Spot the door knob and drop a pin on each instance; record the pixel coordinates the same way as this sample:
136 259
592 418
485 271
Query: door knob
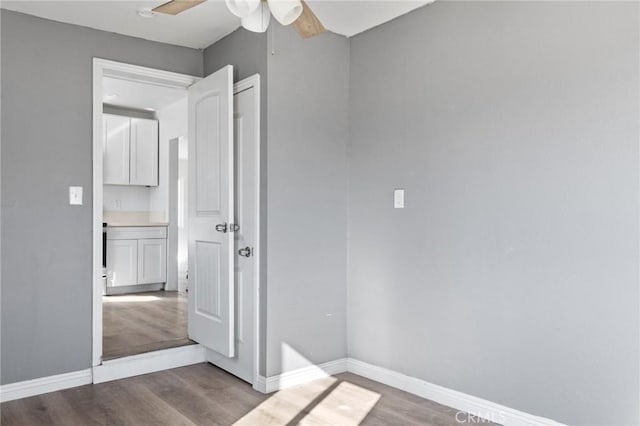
221 227
246 252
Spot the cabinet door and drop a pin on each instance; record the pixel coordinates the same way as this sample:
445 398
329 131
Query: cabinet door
144 152
152 261
122 262
116 149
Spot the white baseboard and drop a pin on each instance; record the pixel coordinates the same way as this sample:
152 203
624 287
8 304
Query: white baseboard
260 384
194 354
44 385
299 376
148 363
476 407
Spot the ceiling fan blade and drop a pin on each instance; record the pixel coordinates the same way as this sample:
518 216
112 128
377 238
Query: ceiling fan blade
174 7
308 24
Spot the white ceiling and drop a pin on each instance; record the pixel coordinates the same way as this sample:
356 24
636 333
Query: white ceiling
351 17
201 26
139 95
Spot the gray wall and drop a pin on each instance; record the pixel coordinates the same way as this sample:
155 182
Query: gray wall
304 189
308 133
46 147
512 274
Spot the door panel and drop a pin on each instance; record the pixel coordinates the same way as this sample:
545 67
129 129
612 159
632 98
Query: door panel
152 261
116 150
246 170
208 151
144 152
211 204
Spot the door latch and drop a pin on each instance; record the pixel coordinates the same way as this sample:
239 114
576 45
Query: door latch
234 227
245 252
221 227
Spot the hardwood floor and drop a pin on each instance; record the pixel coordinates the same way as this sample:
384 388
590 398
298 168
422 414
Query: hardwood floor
143 322
202 394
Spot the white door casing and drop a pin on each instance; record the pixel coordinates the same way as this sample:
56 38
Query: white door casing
211 213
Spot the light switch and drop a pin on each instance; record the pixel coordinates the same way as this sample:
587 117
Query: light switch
398 198
75 195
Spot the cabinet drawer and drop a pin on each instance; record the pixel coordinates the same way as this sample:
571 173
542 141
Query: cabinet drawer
136 232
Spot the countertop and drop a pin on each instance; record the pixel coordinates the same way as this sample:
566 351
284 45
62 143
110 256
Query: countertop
133 224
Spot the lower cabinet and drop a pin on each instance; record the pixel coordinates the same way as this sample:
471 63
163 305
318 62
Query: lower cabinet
122 262
133 260
152 261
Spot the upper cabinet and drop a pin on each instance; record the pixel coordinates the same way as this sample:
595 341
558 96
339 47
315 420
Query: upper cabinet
130 151
116 149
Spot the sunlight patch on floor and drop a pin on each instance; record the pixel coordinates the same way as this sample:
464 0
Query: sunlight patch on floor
321 402
347 404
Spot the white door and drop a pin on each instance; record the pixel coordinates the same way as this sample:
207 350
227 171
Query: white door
122 262
144 152
246 169
211 257
116 149
152 261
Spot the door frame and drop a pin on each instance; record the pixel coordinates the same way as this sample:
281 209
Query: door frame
102 68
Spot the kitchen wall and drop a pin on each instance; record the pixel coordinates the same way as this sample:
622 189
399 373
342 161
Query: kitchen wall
123 198
173 123
46 147
512 273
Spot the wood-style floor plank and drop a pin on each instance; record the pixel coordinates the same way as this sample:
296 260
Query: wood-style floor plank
202 394
143 322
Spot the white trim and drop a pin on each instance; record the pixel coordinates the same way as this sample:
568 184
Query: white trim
478 407
247 83
148 363
130 72
302 375
44 385
134 73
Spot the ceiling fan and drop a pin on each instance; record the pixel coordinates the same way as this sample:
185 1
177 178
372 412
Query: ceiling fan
256 14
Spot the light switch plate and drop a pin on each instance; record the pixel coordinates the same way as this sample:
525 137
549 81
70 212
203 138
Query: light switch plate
398 198
75 195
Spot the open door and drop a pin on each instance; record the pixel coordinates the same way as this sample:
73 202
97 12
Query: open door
211 201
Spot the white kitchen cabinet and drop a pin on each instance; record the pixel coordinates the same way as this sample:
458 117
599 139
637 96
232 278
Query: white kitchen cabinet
122 262
152 261
144 152
130 151
116 149
136 255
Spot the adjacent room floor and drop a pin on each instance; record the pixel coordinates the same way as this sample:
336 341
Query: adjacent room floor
143 322
202 394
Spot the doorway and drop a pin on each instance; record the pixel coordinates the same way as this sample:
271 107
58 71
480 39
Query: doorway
145 287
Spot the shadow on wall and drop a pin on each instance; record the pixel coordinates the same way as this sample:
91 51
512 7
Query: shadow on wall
324 401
